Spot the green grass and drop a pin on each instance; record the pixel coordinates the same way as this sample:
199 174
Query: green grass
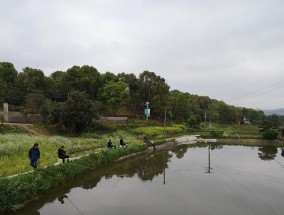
11 129
14 148
228 131
158 131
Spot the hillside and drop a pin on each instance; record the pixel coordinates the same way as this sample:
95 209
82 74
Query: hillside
279 111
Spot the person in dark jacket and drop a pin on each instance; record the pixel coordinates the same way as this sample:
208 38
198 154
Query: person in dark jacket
62 154
110 145
34 155
122 143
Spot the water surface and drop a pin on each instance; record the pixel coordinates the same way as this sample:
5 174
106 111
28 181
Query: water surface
186 179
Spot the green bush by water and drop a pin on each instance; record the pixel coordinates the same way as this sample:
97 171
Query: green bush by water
270 134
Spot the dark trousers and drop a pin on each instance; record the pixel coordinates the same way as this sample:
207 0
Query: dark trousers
64 157
34 163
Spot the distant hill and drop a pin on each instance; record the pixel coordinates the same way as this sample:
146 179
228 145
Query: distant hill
279 111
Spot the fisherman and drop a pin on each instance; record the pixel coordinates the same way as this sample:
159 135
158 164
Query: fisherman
110 145
153 144
62 154
122 143
34 155
148 141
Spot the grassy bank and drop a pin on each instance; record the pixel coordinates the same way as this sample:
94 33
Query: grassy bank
14 148
14 192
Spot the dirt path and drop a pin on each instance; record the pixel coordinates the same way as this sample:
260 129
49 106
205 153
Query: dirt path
31 129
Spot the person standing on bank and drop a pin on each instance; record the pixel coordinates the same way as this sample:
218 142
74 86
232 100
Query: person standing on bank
62 154
34 155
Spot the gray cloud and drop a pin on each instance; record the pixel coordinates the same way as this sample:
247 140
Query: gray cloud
222 49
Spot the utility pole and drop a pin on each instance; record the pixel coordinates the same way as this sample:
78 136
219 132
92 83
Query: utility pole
209 160
165 122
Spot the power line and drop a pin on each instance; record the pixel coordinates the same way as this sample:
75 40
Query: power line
261 91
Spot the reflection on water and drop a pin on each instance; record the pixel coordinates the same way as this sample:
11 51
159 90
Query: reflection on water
175 182
267 152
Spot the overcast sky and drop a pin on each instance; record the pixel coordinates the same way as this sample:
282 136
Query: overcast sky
228 50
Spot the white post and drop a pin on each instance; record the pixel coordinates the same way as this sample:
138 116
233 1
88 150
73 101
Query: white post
6 112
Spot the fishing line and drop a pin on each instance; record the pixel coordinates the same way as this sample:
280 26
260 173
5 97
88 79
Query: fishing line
278 163
231 196
249 207
75 206
253 194
250 175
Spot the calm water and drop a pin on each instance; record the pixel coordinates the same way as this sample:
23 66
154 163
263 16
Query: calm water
242 180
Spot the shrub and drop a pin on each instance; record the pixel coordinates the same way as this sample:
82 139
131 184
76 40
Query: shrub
270 134
216 134
194 121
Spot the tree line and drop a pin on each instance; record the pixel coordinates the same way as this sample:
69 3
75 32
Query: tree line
85 93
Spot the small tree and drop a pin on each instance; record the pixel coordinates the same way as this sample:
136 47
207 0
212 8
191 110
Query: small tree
270 134
78 112
116 94
194 121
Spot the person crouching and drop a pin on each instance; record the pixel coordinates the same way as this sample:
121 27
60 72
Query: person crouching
62 154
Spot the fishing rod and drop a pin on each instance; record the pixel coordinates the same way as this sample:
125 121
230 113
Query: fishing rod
75 206
61 199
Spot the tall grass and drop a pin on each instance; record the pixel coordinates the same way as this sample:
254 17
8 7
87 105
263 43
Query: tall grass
158 131
14 148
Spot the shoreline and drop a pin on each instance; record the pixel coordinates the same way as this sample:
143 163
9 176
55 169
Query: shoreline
56 178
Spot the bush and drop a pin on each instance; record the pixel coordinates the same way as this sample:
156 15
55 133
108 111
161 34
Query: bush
217 134
270 134
194 121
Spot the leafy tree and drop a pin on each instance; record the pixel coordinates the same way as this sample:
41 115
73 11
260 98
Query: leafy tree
108 77
194 121
153 89
116 95
78 112
227 113
86 79
134 102
8 76
57 76
273 121
33 79
182 109
37 103
33 102
270 134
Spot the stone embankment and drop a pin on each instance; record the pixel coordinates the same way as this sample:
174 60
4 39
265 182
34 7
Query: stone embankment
194 139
